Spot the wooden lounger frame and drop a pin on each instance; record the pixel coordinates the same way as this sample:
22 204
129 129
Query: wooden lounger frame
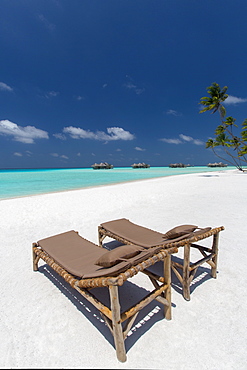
210 255
113 315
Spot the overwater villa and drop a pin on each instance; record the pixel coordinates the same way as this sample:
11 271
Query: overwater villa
179 165
102 165
140 165
217 164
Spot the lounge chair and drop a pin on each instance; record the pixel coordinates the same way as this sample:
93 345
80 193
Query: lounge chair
85 265
184 236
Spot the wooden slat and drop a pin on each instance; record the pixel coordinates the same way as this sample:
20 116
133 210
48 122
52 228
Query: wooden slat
179 276
200 262
209 250
129 324
92 299
153 276
163 301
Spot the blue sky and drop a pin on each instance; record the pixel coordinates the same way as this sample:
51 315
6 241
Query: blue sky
118 81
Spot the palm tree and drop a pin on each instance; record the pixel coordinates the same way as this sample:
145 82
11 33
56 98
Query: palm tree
215 99
237 145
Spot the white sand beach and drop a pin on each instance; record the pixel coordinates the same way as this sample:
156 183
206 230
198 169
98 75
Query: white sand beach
44 324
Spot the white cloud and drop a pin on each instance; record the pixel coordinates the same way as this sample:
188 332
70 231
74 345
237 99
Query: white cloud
139 149
51 94
186 138
139 91
171 141
113 133
182 139
79 97
131 86
234 100
25 134
60 136
27 153
118 133
173 113
198 142
47 24
56 155
78 133
5 87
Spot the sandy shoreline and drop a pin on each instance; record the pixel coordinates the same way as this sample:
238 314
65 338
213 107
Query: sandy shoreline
44 325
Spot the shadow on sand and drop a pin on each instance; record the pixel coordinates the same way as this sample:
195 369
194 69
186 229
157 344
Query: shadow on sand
129 294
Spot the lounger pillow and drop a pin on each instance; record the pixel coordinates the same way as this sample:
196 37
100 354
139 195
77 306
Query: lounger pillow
179 231
118 254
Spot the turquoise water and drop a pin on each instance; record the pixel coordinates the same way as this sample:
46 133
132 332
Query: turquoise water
17 183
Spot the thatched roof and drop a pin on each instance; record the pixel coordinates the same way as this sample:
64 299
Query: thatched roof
140 165
102 165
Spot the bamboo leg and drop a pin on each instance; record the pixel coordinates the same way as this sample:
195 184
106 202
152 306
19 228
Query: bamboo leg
215 258
35 259
186 273
116 324
101 238
167 280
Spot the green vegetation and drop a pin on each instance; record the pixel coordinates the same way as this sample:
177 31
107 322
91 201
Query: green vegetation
235 147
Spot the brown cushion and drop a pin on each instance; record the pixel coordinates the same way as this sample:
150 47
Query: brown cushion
71 251
179 231
134 233
117 255
202 231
